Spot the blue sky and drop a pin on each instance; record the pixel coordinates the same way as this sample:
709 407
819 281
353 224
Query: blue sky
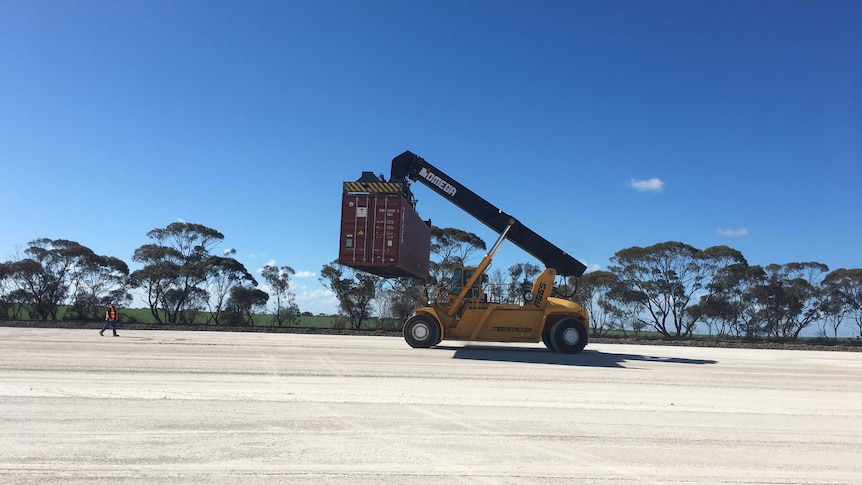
600 125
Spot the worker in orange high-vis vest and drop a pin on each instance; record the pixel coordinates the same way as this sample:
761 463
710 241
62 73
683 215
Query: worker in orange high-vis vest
111 318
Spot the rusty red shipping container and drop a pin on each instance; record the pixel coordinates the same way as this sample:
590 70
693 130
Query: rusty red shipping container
382 234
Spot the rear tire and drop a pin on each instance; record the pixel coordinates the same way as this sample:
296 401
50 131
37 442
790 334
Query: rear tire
546 338
568 336
421 332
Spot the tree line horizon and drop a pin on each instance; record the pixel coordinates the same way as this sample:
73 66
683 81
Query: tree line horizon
670 288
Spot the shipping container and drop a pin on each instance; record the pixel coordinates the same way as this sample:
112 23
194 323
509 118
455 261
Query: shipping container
382 234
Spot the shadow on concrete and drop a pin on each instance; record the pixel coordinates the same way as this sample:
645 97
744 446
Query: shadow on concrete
587 358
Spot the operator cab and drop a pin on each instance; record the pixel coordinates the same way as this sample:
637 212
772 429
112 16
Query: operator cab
460 276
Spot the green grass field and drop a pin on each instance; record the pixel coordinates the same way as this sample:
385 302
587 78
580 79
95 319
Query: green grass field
143 315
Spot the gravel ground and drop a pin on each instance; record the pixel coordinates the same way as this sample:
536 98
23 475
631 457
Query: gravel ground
216 408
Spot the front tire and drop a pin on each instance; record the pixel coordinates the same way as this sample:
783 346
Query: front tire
568 336
421 332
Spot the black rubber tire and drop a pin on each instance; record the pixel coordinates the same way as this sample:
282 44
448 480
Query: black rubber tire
568 336
439 337
546 338
421 332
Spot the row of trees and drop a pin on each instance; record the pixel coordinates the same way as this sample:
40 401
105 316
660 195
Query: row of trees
670 288
180 277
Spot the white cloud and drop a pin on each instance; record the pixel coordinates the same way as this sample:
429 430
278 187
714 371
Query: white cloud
271 262
733 232
298 274
257 256
649 185
265 288
309 298
315 300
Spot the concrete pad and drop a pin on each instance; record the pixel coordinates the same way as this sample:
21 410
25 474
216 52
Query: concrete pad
210 407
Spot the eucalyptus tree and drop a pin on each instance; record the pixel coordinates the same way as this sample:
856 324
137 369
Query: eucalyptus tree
790 298
663 280
397 298
278 278
450 249
23 287
454 246
176 268
42 276
729 304
243 303
54 272
498 286
95 282
225 273
521 279
355 290
842 297
593 293
623 307
526 270
8 307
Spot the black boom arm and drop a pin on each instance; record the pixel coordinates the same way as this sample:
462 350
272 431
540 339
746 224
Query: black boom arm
411 166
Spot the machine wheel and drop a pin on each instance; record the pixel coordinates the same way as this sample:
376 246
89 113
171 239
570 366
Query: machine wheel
421 332
546 338
568 336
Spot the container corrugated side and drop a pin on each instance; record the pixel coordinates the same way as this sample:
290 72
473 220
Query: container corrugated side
382 234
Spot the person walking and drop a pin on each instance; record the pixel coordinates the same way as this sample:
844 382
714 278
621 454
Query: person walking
111 318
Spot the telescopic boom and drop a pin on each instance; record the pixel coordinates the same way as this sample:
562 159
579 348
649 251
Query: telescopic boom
413 167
